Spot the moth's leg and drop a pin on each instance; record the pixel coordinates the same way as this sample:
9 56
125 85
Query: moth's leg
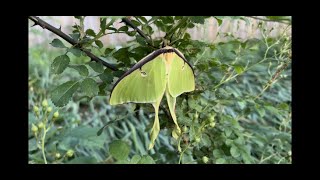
143 73
184 64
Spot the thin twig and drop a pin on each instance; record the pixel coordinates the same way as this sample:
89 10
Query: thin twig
129 23
270 20
45 25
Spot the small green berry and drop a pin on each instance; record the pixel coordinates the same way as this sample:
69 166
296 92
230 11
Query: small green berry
56 114
34 128
212 124
211 118
197 139
184 129
40 125
196 116
49 109
57 155
205 159
70 153
45 103
35 109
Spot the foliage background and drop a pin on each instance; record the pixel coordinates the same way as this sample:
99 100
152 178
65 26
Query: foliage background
239 113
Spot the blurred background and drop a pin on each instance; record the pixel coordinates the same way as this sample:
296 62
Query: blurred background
207 32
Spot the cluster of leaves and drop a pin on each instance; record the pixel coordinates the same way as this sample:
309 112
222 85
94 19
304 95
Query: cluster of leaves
239 113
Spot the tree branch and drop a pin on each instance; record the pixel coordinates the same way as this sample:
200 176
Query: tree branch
45 25
262 19
129 23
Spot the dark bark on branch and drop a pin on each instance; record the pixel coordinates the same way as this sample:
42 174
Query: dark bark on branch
129 23
45 25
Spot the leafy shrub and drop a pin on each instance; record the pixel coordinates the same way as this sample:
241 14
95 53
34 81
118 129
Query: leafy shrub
240 111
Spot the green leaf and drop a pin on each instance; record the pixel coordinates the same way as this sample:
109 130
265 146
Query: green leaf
82 69
62 94
131 33
205 140
227 132
75 51
284 106
136 23
98 43
147 29
220 161
143 19
108 51
115 73
102 89
59 64
84 136
219 20
57 43
103 23
31 119
192 103
89 87
75 36
83 160
123 55
141 40
123 28
197 19
106 76
167 19
238 69
217 153
119 149
234 152
139 52
32 144
261 111
135 159
96 66
190 25
146 159
90 32
247 158
111 28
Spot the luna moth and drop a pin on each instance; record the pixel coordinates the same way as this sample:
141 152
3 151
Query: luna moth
164 71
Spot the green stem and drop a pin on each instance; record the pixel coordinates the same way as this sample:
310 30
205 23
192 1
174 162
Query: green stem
181 155
101 33
180 23
42 143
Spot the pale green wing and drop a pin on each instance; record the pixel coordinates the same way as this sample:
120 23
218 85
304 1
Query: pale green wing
180 80
180 77
172 104
143 83
156 125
